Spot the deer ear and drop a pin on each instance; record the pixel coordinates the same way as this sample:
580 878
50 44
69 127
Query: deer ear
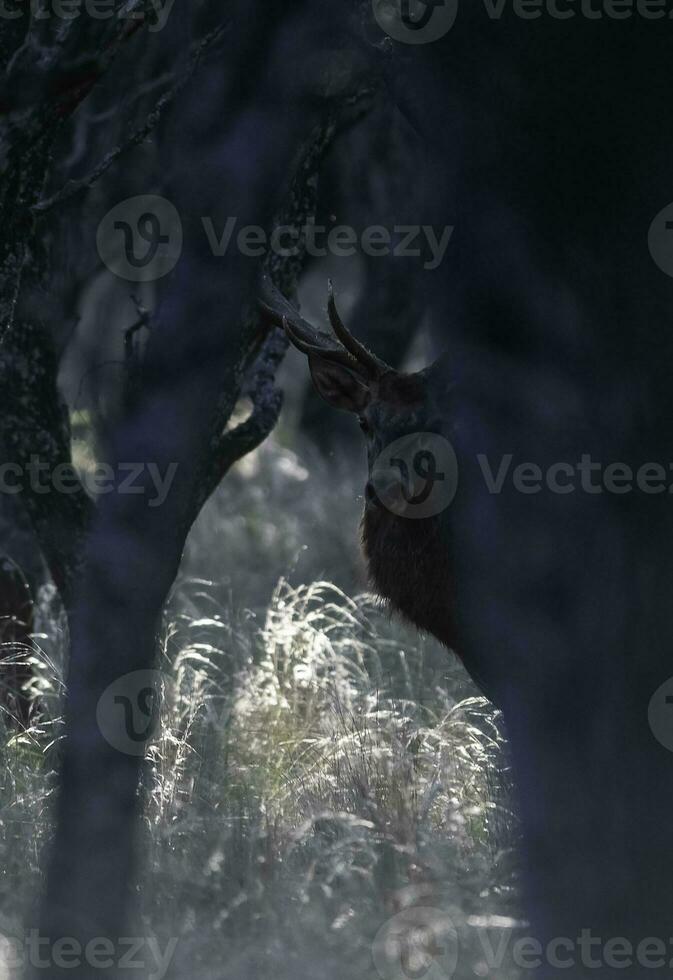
340 387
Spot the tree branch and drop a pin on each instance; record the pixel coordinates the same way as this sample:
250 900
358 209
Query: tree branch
74 187
267 400
265 346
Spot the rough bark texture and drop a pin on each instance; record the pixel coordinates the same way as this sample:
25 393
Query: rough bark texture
196 366
36 434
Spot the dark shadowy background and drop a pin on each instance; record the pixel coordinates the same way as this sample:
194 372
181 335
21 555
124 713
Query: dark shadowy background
319 769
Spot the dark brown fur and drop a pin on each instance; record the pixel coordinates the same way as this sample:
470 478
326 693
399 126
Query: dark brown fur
409 567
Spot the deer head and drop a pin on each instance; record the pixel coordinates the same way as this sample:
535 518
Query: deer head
390 406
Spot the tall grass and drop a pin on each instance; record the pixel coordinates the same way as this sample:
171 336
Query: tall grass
318 767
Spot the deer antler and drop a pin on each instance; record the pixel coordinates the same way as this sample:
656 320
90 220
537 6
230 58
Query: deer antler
374 366
350 352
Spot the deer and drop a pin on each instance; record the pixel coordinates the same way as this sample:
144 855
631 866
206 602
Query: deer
408 555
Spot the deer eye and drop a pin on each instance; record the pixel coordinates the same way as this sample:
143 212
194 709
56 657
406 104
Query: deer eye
364 424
